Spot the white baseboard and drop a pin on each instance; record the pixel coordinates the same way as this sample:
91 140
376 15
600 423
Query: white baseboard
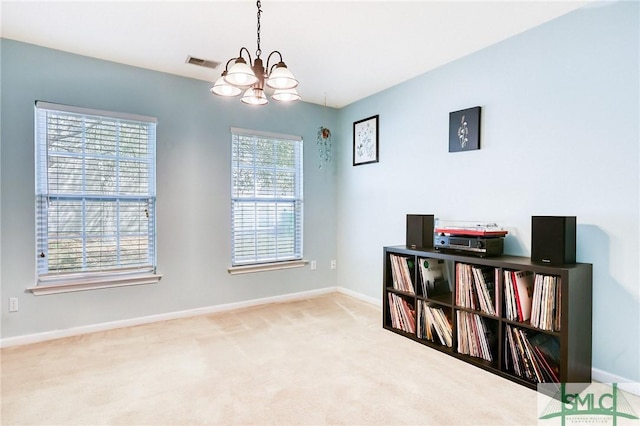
360 296
93 328
625 384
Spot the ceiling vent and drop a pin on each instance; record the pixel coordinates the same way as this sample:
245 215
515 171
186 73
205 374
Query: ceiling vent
202 62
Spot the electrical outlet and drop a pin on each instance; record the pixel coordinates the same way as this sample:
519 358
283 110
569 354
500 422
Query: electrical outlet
13 304
333 264
314 265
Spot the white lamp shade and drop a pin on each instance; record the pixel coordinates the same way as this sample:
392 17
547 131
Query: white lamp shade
254 96
281 78
286 95
241 74
222 88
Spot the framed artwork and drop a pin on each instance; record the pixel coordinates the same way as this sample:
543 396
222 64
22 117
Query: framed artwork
365 141
464 130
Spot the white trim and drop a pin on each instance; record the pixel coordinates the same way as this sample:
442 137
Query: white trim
360 296
260 267
625 384
93 328
96 112
95 283
260 133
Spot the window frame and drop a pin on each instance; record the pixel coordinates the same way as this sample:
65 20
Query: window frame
58 280
296 201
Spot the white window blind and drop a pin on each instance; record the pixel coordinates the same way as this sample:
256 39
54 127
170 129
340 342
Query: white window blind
95 194
266 193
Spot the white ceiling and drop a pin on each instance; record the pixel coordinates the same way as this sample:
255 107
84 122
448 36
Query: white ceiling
341 50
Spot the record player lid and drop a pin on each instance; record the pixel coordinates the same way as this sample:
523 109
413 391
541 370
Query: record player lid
471 228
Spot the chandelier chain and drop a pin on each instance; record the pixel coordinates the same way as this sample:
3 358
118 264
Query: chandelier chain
259 51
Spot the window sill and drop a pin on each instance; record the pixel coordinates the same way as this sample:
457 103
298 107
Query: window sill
247 269
94 284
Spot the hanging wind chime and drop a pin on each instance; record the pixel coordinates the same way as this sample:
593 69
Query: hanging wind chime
324 140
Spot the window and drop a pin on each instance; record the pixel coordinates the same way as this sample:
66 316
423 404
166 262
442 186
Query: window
95 198
266 197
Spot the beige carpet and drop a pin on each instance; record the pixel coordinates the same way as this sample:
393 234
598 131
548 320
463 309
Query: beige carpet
319 361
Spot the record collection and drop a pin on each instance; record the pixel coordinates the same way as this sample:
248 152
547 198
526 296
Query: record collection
403 315
401 273
534 299
532 356
434 325
474 337
475 288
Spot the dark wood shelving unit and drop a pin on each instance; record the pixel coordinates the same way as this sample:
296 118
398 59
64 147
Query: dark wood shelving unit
573 337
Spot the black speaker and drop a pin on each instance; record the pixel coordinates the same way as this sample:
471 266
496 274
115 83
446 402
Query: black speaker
419 231
553 239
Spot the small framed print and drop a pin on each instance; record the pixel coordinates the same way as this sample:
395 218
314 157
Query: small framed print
365 141
464 130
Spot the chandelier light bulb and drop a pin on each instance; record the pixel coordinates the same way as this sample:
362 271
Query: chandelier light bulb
281 78
255 96
286 95
222 88
241 74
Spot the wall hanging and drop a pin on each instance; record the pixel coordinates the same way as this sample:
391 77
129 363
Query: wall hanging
366 141
324 144
323 140
464 130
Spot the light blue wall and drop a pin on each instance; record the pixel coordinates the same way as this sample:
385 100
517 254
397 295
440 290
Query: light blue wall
560 136
193 189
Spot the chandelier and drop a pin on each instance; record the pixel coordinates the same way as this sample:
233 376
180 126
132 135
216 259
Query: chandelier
250 77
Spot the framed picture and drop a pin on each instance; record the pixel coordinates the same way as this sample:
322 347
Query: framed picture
365 141
464 130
